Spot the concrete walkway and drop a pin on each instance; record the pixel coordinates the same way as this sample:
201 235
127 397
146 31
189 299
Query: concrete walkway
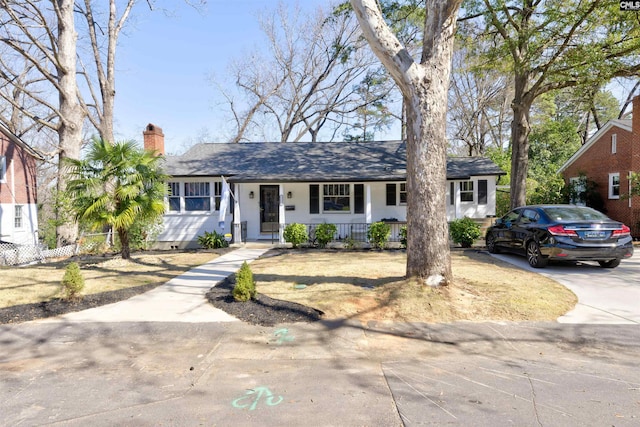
182 299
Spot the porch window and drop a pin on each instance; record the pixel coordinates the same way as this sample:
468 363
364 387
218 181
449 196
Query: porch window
358 198
403 193
217 194
174 196
18 217
452 194
614 185
314 198
336 198
3 169
466 191
197 196
391 194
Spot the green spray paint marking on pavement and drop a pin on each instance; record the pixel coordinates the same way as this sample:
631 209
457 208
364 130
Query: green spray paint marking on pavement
283 336
256 394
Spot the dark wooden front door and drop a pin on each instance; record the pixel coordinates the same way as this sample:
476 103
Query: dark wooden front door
269 208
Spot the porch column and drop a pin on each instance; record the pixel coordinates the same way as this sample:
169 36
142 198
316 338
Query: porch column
367 201
456 186
281 218
237 224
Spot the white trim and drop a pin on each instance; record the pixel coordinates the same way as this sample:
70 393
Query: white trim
621 124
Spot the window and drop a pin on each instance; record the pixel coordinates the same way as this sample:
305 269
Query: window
403 193
614 185
18 216
174 196
217 194
466 191
529 216
336 198
452 194
482 191
391 194
614 143
196 196
3 168
578 189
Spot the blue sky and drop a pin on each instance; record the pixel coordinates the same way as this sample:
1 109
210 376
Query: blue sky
164 63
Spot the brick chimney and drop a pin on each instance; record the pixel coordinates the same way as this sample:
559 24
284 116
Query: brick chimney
154 139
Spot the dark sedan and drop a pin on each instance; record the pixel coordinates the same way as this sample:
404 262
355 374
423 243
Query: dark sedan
561 233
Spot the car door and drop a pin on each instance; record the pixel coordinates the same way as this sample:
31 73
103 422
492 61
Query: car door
523 228
503 230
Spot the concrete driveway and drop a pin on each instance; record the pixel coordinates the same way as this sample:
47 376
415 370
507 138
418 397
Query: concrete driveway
605 296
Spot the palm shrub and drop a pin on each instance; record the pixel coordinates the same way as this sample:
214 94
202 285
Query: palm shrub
212 240
296 234
378 234
245 287
325 233
72 281
464 231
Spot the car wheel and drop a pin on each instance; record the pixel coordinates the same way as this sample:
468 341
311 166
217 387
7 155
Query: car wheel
534 257
609 264
491 244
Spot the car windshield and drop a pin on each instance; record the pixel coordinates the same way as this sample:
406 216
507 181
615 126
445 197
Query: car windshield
574 213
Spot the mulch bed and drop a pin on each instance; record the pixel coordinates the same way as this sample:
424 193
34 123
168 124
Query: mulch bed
263 310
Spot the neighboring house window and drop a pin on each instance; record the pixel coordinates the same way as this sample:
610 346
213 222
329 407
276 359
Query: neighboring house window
358 198
403 193
578 190
466 191
336 198
482 191
614 185
196 196
391 194
18 217
174 196
3 168
614 143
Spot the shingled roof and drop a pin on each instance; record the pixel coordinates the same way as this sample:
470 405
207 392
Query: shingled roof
312 162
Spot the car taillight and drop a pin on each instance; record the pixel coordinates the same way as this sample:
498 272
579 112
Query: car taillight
558 230
624 231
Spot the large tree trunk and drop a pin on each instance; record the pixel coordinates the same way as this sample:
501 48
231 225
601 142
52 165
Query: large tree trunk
71 113
424 87
520 129
123 235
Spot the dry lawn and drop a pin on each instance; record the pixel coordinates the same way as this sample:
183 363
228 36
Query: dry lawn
42 282
370 286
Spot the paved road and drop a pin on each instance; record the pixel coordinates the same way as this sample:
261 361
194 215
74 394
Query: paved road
321 374
605 296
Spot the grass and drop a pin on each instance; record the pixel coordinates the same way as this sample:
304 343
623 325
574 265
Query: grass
42 282
365 285
369 285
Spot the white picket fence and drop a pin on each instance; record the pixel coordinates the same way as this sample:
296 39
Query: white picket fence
12 254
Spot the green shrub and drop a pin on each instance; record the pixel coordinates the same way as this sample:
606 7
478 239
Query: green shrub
325 233
403 236
350 243
296 234
245 287
212 240
464 231
72 282
378 234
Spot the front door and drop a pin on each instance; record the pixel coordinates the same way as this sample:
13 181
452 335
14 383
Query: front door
269 208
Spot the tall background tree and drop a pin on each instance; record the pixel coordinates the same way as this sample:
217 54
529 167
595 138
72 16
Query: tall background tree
548 46
424 85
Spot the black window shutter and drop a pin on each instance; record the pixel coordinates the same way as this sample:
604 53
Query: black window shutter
452 193
482 191
358 198
314 198
391 194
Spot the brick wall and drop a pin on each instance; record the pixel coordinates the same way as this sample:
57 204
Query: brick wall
20 178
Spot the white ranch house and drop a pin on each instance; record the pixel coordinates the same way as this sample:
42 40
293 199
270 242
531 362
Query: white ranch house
348 184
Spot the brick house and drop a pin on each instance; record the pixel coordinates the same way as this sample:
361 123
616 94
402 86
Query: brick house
18 189
607 159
